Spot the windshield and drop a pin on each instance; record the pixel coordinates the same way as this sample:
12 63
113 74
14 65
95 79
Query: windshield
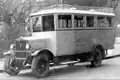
43 23
36 24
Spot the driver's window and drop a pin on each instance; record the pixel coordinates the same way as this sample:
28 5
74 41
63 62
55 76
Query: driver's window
36 24
48 23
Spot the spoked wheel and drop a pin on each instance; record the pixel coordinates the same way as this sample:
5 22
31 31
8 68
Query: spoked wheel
40 65
9 66
97 60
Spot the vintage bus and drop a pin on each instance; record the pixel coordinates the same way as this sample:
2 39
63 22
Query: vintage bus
62 35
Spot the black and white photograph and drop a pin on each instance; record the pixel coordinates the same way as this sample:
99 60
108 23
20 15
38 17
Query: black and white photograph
59 39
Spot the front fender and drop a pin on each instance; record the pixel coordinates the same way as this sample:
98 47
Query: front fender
10 52
35 53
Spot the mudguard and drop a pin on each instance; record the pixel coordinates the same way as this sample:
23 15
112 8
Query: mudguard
35 53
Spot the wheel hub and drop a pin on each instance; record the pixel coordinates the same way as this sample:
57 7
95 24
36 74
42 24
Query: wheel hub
42 66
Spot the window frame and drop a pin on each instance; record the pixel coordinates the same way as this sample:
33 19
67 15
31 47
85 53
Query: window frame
94 16
62 27
31 23
40 17
53 21
97 21
84 22
112 22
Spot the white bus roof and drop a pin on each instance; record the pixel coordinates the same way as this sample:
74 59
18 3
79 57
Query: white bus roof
63 10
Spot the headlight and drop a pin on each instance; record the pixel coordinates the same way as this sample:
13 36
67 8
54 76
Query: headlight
12 46
27 46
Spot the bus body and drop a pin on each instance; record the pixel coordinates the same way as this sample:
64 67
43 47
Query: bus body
65 34
73 37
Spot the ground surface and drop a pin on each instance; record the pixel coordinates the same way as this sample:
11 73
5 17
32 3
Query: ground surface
110 69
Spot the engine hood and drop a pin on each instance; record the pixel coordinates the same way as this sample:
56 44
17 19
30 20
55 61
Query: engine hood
40 40
37 36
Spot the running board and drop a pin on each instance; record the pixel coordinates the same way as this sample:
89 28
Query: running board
64 63
110 57
67 63
71 62
74 62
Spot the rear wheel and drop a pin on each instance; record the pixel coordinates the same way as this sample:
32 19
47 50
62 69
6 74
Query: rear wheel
9 66
40 65
97 59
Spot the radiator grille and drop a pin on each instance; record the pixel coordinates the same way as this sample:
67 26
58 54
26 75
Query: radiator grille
20 49
20 45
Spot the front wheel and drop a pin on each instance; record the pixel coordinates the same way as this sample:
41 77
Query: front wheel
97 59
9 66
40 65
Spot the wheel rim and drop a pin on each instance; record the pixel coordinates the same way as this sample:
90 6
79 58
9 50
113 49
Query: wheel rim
12 65
42 66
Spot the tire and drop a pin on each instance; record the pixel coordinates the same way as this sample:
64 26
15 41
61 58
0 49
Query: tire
40 65
97 59
9 66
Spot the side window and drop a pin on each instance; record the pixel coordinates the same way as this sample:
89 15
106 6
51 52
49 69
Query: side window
48 23
90 21
78 21
64 21
103 21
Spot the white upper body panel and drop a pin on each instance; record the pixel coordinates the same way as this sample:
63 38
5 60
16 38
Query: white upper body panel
70 10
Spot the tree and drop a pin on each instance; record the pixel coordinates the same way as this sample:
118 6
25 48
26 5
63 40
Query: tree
12 16
15 12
